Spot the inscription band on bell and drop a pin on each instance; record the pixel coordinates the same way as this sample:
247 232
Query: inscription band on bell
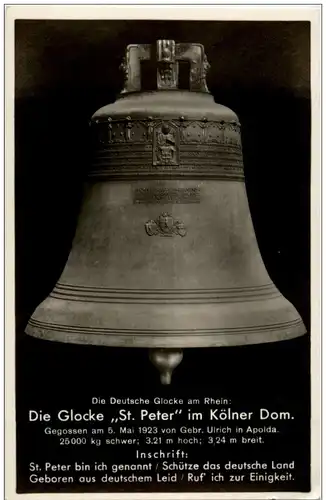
167 195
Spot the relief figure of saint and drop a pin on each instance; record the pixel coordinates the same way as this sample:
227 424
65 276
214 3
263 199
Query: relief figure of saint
166 145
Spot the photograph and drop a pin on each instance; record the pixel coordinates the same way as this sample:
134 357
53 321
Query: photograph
163 187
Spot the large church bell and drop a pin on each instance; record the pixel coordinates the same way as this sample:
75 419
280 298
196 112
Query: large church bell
165 255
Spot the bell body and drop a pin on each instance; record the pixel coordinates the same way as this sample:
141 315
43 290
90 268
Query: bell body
165 254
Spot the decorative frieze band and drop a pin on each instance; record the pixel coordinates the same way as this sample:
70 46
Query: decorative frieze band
126 130
156 147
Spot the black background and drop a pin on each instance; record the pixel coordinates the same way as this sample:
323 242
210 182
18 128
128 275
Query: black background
65 71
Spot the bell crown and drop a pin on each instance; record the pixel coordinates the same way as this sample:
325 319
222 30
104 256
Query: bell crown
165 60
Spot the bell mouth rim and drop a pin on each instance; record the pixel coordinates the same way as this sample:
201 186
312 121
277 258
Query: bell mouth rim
120 338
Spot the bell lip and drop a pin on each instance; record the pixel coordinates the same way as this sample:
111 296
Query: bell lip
260 318
164 341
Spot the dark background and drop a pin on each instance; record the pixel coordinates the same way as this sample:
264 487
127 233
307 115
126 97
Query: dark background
65 71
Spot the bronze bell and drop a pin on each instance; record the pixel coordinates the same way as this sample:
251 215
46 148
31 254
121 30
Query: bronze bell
165 255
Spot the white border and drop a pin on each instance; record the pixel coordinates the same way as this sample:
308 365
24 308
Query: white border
233 12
